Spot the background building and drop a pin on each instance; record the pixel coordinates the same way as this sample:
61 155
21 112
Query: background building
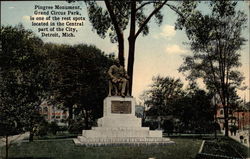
53 113
239 117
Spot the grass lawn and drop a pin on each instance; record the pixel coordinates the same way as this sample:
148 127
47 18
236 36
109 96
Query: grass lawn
66 149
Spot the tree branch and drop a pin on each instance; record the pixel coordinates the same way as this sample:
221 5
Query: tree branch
175 9
149 17
144 4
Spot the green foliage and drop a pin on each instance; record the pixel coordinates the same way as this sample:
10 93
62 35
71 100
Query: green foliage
76 127
42 129
102 21
195 112
53 127
178 109
151 124
78 79
168 126
118 14
23 79
32 71
163 92
215 39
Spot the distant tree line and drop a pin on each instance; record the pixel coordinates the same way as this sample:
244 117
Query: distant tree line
175 109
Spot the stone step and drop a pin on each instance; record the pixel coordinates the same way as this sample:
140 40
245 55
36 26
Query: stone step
121 141
109 133
120 128
120 132
105 132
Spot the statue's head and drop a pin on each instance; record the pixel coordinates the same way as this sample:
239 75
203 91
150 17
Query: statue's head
117 62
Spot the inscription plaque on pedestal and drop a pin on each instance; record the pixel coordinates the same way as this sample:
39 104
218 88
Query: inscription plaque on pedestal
121 107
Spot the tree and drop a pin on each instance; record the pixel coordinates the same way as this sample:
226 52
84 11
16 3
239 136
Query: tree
79 81
163 92
119 14
169 102
9 123
23 81
215 40
194 112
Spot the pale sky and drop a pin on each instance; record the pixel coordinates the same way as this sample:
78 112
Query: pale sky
159 53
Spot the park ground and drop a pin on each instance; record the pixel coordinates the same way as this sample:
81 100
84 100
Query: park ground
184 148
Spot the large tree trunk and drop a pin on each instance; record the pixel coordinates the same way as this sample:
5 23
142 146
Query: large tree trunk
226 111
131 63
121 49
225 108
118 31
133 35
131 51
226 120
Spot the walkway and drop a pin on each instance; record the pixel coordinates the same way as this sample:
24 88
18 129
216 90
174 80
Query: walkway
14 139
245 140
245 134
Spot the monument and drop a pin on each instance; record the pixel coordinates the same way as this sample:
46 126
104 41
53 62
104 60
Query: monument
119 125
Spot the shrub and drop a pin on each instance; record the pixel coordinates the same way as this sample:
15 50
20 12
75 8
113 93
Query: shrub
168 126
53 127
151 124
43 129
76 127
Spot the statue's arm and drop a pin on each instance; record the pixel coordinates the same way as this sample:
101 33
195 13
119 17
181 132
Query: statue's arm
110 72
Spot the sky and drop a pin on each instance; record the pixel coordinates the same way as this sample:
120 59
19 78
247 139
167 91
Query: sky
161 52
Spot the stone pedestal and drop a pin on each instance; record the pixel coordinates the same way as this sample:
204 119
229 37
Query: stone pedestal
119 125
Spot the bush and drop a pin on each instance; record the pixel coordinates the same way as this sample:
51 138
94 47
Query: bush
168 126
42 129
76 127
62 128
151 124
53 127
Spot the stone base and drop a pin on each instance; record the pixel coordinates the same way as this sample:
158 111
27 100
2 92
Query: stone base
116 129
119 121
82 141
122 132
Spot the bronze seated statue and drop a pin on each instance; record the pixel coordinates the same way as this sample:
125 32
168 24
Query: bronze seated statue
118 80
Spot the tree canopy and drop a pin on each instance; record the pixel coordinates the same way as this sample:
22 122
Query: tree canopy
78 78
179 109
163 92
